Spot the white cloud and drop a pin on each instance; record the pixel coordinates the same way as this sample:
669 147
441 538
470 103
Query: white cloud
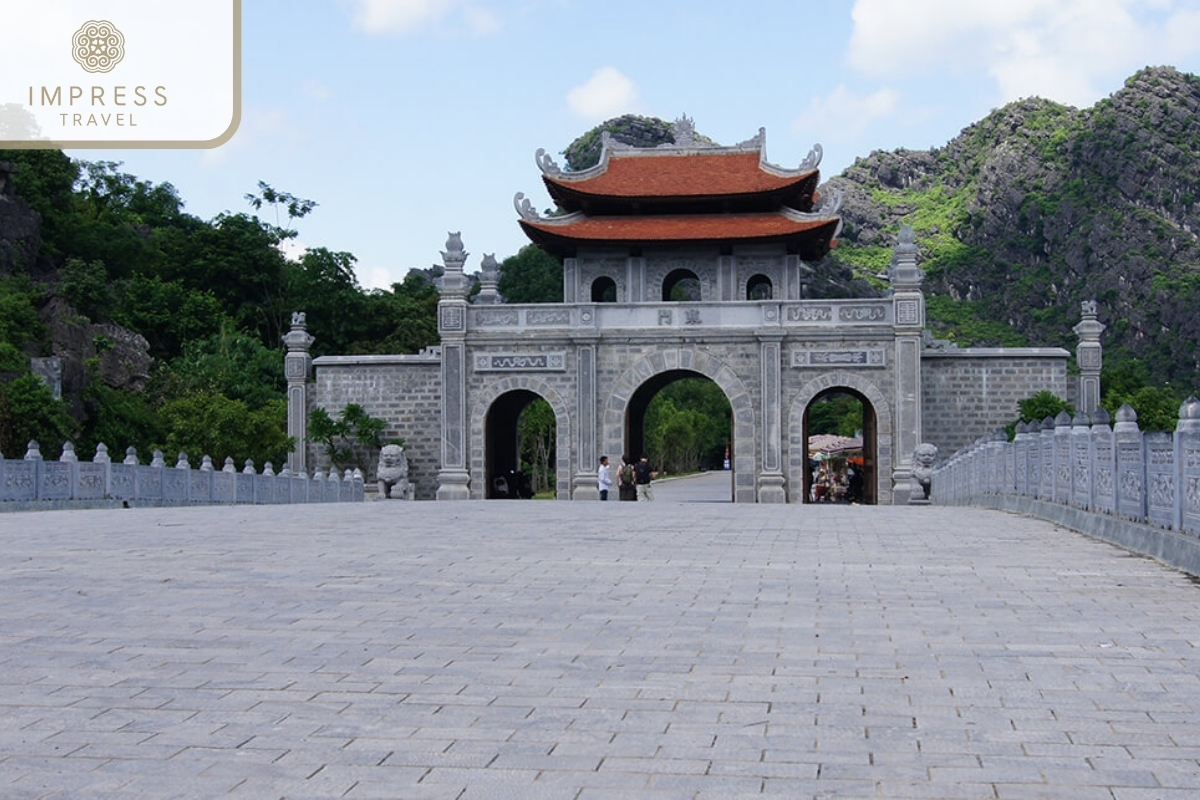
1071 51
845 114
407 16
380 278
607 93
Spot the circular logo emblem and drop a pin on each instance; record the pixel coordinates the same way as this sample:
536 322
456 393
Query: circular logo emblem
98 46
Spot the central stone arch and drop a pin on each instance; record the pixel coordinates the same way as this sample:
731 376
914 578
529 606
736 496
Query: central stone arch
486 399
798 448
688 359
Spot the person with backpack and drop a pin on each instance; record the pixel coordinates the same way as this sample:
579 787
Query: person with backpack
626 480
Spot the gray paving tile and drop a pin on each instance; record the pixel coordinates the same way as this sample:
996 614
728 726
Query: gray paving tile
575 650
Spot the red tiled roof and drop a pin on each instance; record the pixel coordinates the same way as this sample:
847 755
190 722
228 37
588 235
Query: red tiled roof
671 175
816 234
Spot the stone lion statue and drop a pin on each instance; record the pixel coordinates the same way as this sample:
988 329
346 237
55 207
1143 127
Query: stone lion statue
922 478
392 473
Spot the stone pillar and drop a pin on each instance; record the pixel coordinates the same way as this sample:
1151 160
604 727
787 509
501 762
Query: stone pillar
454 478
571 280
1089 356
909 307
727 278
489 276
770 473
297 365
584 484
635 279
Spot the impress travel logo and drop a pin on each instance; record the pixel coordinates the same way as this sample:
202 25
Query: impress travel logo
147 74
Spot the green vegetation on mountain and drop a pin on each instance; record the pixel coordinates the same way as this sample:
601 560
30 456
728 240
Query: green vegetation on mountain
1038 207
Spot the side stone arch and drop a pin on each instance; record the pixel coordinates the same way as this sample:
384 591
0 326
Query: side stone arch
482 402
688 358
798 448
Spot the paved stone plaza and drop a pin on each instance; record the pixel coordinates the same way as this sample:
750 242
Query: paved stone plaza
543 649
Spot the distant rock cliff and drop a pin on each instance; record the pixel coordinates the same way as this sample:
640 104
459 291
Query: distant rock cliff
1039 206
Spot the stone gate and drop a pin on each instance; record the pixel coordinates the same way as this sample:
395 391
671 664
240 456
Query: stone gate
684 260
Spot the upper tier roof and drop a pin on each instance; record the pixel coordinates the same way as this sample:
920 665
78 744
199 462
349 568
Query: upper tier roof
685 172
688 192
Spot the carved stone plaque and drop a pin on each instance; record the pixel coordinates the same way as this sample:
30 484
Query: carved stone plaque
873 357
521 362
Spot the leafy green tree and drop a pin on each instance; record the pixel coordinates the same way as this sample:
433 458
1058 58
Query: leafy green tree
168 313
28 411
120 419
1037 407
87 287
322 283
229 363
403 320
351 440
1157 407
295 207
45 180
687 425
837 414
20 325
531 276
536 435
217 426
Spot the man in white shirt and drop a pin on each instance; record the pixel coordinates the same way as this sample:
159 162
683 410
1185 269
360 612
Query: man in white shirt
604 476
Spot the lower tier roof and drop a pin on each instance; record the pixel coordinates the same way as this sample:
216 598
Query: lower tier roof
810 238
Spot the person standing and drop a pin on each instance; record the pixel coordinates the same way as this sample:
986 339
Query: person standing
604 477
626 488
643 475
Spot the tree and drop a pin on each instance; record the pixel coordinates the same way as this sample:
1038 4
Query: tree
351 440
687 425
536 434
214 425
531 276
322 284
28 411
1037 407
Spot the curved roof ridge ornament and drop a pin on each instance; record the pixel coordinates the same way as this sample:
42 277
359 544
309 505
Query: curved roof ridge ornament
527 212
808 165
684 131
546 164
755 142
813 159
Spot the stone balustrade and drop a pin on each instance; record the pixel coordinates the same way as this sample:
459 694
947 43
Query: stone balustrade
35 482
1084 464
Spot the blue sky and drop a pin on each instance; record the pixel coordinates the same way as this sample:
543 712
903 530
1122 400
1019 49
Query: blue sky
405 119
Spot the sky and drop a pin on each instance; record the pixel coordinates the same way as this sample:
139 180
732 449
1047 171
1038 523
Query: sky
407 119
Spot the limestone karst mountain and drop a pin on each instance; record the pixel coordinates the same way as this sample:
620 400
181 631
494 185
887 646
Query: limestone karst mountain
1039 206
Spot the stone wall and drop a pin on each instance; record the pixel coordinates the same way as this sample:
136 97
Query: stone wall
405 390
34 483
967 391
1138 490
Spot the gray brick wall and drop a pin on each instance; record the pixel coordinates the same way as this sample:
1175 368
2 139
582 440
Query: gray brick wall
966 393
404 390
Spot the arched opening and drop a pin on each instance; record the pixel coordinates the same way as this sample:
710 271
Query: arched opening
840 430
759 288
520 442
681 286
604 290
682 421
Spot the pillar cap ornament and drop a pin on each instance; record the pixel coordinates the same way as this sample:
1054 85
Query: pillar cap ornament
298 339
